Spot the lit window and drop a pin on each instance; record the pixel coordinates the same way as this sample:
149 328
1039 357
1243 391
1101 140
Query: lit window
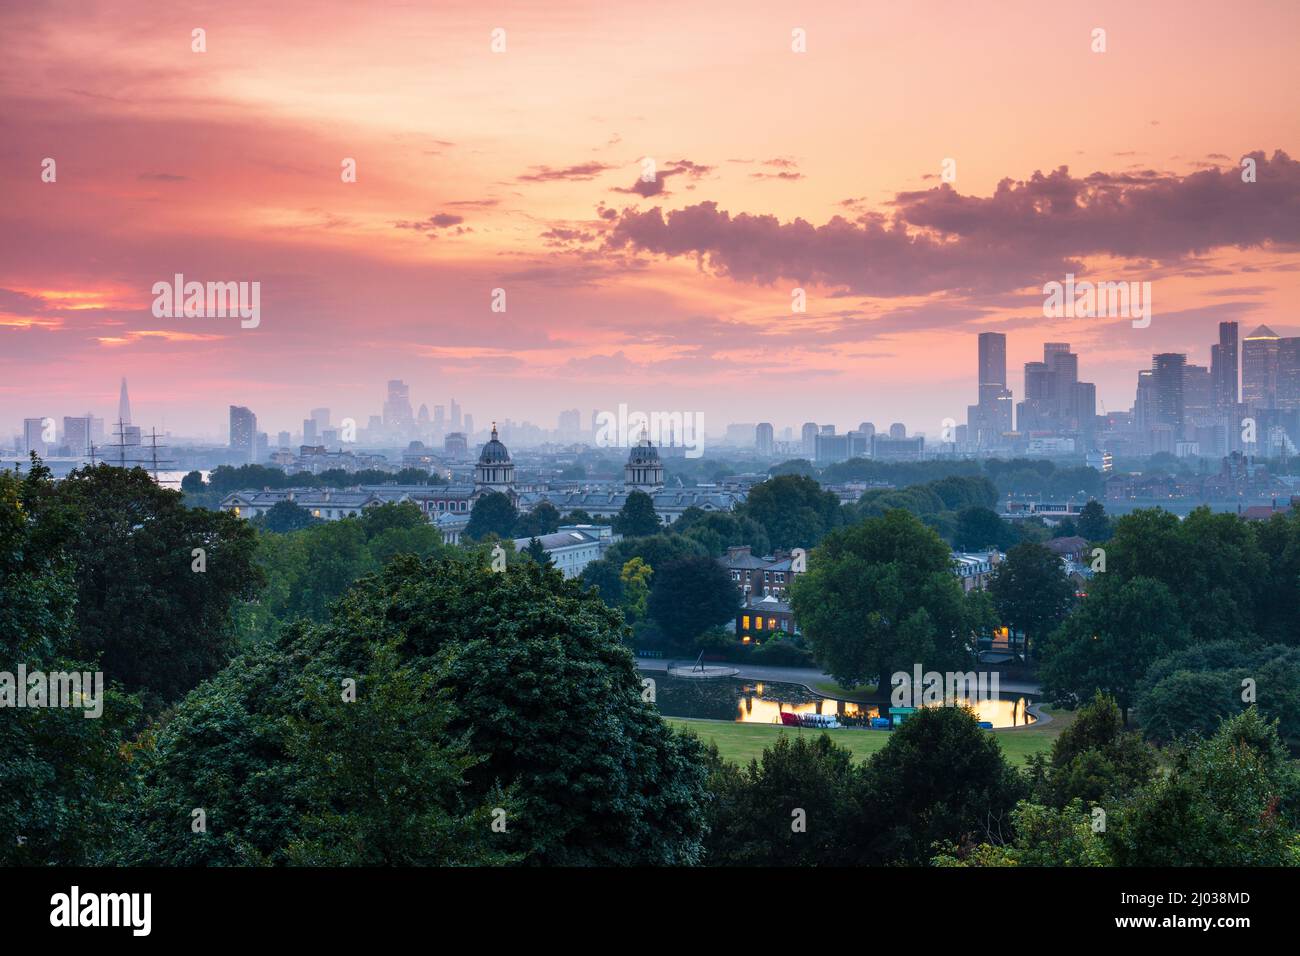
758 623
744 622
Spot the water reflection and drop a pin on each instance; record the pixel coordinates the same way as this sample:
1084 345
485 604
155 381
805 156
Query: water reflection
762 702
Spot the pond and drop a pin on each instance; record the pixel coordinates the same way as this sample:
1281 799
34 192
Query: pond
761 702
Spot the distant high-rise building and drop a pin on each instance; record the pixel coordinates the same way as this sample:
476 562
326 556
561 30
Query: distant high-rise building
867 429
570 423
1259 368
1288 373
469 425
439 417
34 437
422 416
897 430
1198 395
397 409
284 440
764 438
321 416
808 437
455 446
309 431
243 430
1223 368
455 415
123 405
1167 376
990 417
76 434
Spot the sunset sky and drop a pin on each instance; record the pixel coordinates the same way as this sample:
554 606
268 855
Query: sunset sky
520 170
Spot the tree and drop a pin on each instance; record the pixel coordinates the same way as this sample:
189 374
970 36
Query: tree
1043 836
1228 801
980 528
801 778
379 780
537 553
156 623
404 515
538 687
192 483
939 778
880 596
543 519
793 510
690 595
494 513
60 773
1110 640
1093 523
635 579
284 516
637 517
1093 760
1031 591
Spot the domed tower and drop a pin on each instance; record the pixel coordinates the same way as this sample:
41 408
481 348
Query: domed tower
495 471
643 471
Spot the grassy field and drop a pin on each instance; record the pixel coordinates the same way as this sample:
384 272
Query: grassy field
739 743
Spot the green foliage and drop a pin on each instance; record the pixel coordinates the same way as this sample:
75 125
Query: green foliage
379 780
980 528
1110 640
494 513
1191 691
753 815
637 517
940 778
1228 801
690 595
544 519
1031 591
793 510
879 596
154 624
537 553
1043 836
1093 523
717 531
60 771
1093 760
635 581
539 688
282 517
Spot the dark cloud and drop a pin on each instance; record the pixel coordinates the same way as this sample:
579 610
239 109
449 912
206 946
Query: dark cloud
581 171
442 220
1027 231
655 187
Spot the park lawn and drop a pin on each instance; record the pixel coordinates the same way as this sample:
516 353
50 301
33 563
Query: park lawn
740 743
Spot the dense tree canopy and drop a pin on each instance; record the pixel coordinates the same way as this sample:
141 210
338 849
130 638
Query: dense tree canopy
880 596
538 687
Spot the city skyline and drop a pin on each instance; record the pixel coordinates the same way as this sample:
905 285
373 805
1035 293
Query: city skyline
673 291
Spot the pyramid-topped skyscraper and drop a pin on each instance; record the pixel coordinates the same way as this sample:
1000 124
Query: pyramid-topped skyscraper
124 405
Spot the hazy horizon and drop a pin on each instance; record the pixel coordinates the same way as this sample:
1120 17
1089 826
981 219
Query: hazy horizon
522 170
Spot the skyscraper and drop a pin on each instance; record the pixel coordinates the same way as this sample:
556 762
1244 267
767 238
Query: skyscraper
1259 368
76 434
397 409
1223 368
1168 370
763 438
990 417
123 405
243 430
808 438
